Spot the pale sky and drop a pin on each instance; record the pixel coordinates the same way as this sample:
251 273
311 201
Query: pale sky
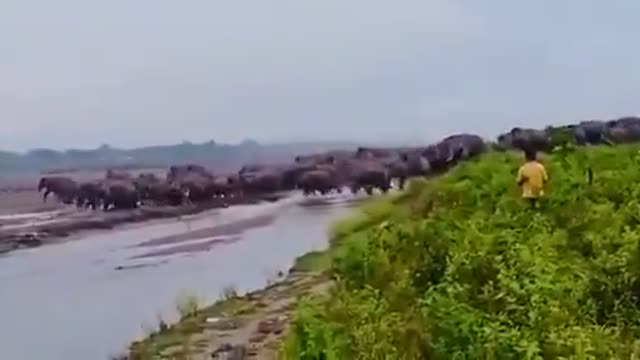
80 73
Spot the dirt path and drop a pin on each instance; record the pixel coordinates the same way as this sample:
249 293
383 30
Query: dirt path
247 327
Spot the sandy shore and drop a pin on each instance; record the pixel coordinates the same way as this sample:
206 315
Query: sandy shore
32 223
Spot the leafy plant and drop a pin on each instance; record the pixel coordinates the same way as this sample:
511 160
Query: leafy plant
458 267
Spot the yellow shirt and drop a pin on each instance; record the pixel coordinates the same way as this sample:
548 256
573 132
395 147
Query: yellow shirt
534 175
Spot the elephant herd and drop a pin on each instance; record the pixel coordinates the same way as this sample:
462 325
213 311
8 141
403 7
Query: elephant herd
593 132
366 169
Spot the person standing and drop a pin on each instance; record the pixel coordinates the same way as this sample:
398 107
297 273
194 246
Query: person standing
532 177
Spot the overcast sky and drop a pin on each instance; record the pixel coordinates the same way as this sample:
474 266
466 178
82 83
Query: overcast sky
137 72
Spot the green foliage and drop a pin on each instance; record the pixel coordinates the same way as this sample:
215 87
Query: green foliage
458 267
187 305
314 261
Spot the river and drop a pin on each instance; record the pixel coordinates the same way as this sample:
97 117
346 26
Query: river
88 298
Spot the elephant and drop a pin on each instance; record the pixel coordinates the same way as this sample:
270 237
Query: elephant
64 188
196 186
465 146
503 142
177 171
591 132
224 187
321 181
365 174
398 171
151 188
439 155
120 194
265 181
626 129
533 139
266 178
526 139
410 164
90 194
627 122
291 173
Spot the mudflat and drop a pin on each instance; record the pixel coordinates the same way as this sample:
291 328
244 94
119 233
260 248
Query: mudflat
27 221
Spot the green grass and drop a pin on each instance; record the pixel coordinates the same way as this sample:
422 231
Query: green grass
314 261
458 267
172 341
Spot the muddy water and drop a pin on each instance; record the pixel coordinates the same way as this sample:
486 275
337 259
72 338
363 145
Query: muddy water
87 299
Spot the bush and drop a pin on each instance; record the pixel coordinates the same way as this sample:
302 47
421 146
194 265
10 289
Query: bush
458 267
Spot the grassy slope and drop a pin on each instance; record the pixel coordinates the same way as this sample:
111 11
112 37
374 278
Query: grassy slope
459 268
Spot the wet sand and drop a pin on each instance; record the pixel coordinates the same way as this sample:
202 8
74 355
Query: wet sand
39 227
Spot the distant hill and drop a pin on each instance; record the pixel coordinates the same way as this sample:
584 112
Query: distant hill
222 157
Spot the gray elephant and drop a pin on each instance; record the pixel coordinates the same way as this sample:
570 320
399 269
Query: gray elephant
291 173
151 189
119 194
523 139
624 130
178 171
367 175
410 164
440 156
224 187
197 187
261 182
64 188
465 146
90 194
592 132
320 181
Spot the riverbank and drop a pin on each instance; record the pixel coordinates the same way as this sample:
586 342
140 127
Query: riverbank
238 327
253 325
36 229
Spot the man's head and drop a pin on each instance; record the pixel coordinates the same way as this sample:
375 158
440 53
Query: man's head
530 155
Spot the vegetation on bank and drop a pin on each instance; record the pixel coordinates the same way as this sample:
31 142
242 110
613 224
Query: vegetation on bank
458 267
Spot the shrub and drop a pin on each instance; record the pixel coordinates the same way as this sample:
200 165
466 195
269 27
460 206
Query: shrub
458 267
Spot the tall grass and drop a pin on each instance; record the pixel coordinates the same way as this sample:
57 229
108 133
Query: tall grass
458 267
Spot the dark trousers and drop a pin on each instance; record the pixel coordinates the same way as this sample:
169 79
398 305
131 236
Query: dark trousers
533 202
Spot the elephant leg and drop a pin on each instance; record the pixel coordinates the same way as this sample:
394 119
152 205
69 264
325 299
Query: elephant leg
401 183
368 190
45 195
